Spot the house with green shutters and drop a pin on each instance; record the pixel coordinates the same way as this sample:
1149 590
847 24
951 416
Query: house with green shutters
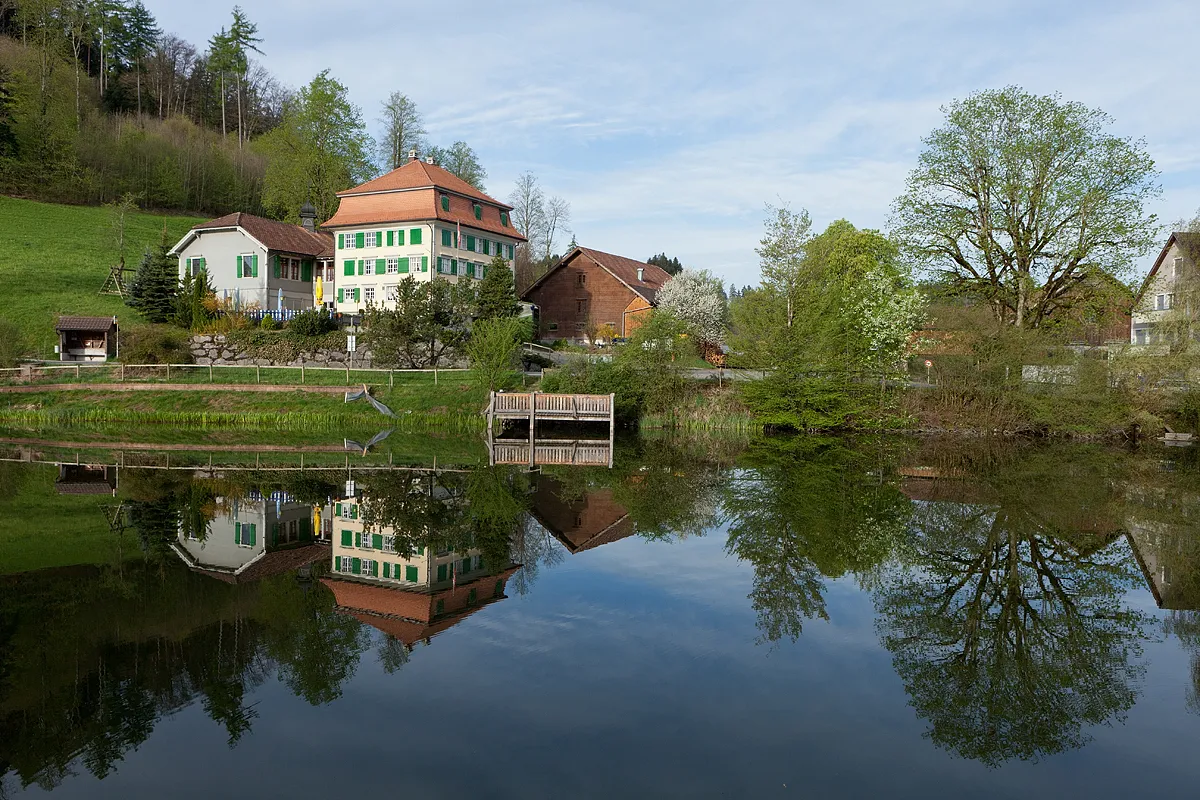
261 263
417 221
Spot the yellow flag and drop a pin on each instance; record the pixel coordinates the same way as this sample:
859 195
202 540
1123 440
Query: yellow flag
318 290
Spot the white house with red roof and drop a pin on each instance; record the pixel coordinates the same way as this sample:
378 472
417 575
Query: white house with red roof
417 221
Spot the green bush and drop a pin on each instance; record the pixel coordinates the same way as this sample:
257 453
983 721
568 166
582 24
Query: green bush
313 322
155 344
268 323
12 343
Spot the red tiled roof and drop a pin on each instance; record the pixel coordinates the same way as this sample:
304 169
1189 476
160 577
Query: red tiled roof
419 175
275 235
623 269
85 323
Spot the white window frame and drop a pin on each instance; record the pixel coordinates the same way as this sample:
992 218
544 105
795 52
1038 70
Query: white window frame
389 543
350 242
368 294
347 567
393 266
328 272
1160 302
295 264
391 292
364 541
1176 263
371 240
247 265
366 566
347 294
368 266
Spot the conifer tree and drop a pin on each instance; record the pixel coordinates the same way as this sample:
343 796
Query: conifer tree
497 296
156 284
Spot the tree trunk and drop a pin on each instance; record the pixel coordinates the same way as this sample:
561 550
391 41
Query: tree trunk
238 87
223 131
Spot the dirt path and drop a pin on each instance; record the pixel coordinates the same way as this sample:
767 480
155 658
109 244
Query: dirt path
197 448
170 387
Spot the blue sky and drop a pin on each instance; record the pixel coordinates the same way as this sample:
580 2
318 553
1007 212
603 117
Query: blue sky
669 125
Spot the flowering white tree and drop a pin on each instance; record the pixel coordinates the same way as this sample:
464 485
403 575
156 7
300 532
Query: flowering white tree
698 299
886 311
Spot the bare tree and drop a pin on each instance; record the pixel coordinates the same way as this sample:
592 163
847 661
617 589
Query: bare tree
402 129
557 221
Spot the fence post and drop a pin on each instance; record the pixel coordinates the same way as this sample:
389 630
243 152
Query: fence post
435 376
347 372
391 379
78 377
168 373
257 373
301 374
122 373
210 375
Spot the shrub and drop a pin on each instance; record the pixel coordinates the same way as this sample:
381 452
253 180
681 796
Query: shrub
12 343
312 322
268 323
155 344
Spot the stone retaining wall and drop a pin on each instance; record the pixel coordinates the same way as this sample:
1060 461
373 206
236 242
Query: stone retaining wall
214 349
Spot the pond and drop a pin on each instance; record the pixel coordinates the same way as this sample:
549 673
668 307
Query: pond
708 617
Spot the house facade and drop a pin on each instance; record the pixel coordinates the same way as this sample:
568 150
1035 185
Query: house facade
587 289
261 263
1165 288
417 221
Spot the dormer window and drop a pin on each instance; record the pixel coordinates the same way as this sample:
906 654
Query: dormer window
478 211
504 218
445 203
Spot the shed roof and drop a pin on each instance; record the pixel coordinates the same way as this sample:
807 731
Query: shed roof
85 323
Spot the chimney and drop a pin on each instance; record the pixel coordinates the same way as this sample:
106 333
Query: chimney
428 159
308 217
641 274
412 155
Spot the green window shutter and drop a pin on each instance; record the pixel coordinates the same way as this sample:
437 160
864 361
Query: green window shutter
487 247
237 533
400 237
275 534
504 218
306 271
360 240
374 569
347 538
420 551
254 266
445 203
403 265
356 566
387 570
478 211
239 267
471 597
341 241
466 565
356 293
453 267
471 243
410 573
441 572
360 266
377 541
445 237
340 298
424 263
391 235
274 266
414 236
337 563
354 508
338 509
379 238
203 262
380 266
348 266
253 537
499 590
440 607
470 270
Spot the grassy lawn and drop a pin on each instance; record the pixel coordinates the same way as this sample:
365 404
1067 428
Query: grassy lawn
419 403
57 258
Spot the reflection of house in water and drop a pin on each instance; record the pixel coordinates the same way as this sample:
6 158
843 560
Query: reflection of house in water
259 536
412 613
1164 533
85 479
580 523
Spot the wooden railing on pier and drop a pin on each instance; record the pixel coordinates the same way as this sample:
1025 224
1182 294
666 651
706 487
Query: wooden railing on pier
545 452
535 406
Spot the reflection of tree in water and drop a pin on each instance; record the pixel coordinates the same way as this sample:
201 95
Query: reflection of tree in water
803 510
1010 634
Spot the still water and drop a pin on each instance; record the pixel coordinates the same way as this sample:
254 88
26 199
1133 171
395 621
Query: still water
775 618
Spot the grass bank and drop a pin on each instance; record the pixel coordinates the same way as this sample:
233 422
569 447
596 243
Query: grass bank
56 258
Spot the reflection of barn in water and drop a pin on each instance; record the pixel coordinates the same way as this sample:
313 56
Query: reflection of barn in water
409 614
587 520
257 537
1164 533
86 479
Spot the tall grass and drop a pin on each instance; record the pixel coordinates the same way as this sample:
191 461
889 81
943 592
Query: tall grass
42 419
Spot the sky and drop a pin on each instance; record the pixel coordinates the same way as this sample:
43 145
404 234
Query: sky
669 126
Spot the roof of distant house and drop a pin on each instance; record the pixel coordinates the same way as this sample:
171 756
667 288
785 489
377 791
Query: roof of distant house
412 193
1189 245
275 235
85 323
623 269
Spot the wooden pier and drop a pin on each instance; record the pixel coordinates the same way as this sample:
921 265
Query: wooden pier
542 407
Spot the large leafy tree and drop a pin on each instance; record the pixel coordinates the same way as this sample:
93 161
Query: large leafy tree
427 326
459 159
402 130
320 148
1026 201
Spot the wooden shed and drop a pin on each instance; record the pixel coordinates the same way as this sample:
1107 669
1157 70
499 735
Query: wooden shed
87 338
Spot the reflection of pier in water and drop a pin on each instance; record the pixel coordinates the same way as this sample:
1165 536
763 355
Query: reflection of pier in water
548 452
